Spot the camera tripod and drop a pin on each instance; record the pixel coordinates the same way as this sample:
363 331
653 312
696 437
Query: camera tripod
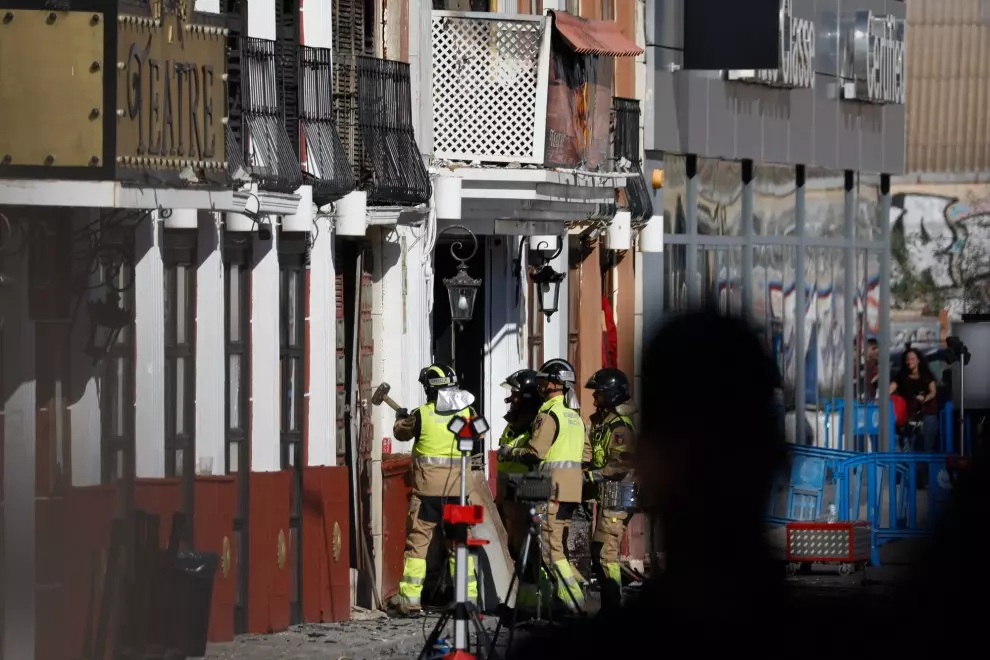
461 517
553 573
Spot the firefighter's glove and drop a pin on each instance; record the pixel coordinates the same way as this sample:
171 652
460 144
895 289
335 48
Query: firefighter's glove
504 453
401 413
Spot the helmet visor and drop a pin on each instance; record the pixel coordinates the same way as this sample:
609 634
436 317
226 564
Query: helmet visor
562 376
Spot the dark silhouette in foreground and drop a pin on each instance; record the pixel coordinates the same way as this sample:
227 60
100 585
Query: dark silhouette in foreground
709 448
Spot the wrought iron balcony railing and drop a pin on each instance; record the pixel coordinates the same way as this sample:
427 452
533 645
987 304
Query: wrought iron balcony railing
490 76
372 102
327 166
625 148
258 115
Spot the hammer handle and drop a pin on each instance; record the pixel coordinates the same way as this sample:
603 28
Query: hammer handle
387 400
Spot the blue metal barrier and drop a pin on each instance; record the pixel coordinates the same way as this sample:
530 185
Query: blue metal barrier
866 425
898 473
811 470
947 427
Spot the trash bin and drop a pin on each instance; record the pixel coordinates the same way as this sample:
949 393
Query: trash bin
192 575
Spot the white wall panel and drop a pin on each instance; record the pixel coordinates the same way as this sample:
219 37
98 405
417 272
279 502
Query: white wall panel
322 347
211 374
149 349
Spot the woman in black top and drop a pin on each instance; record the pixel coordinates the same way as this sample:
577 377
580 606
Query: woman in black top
916 384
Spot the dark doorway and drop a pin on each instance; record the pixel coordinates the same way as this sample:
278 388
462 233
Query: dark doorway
354 264
470 336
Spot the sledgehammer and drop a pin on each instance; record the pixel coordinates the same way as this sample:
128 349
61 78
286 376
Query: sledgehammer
381 396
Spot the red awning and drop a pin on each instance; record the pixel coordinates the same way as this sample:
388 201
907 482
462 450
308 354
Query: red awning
590 37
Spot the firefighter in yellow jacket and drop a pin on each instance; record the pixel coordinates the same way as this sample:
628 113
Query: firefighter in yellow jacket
556 446
436 477
612 443
524 403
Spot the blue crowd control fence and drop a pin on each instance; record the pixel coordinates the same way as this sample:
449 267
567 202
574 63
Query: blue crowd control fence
890 482
799 494
881 488
866 425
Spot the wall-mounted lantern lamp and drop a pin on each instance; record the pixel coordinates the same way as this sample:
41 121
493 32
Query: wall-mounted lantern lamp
106 319
547 281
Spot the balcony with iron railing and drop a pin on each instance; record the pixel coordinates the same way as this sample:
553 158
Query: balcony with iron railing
525 90
257 141
372 102
281 115
627 158
522 113
328 168
490 77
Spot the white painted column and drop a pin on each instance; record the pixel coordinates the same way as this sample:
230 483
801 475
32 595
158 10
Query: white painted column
503 327
149 353
389 336
421 71
322 347
555 328
19 420
317 23
84 417
265 373
386 311
211 368
415 322
261 19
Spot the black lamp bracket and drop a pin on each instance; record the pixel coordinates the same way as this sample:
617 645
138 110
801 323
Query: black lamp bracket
458 245
545 274
541 247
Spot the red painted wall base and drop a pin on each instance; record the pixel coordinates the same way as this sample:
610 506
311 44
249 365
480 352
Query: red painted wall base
326 525
73 539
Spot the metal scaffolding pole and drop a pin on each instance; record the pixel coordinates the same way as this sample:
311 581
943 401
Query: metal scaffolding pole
851 364
883 385
800 302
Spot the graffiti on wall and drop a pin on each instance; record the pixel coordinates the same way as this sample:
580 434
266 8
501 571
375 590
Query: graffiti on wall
940 242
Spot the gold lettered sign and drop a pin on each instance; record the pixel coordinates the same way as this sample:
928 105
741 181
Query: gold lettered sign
171 92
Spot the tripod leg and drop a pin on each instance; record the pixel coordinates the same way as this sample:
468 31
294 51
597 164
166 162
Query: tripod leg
434 636
522 558
484 640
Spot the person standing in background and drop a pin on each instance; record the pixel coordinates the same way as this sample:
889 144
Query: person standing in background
916 384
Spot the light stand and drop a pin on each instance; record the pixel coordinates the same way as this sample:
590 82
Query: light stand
462 517
962 354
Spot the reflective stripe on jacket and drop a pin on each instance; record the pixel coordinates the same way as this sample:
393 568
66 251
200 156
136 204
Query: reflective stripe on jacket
436 458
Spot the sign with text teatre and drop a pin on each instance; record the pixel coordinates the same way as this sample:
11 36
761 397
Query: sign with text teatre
879 60
797 55
171 94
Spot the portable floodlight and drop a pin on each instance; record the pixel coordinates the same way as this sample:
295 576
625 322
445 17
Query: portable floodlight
456 425
467 432
480 425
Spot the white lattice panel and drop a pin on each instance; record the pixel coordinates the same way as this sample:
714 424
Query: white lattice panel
487 77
